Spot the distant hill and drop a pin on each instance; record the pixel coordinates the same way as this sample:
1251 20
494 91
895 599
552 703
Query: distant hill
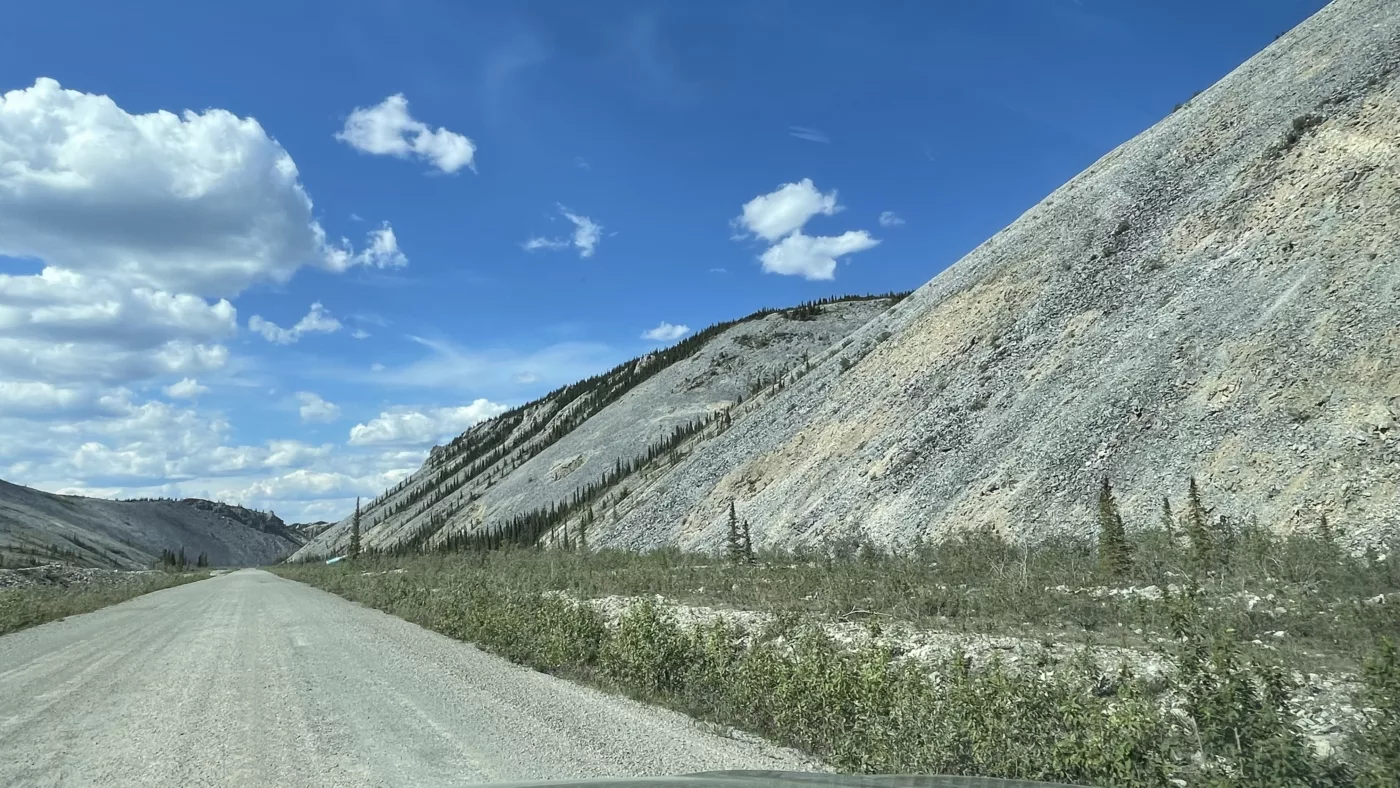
40 526
527 466
305 532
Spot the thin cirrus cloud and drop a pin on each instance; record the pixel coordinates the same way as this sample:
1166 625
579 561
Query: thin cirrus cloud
387 129
585 237
890 219
809 134
778 218
317 321
666 332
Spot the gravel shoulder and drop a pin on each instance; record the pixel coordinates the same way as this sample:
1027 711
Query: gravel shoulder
249 679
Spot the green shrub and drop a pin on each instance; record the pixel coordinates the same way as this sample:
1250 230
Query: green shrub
1223 718
26 607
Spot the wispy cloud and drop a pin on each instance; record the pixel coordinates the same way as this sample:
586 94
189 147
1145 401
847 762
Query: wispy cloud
890 219
809 134
582 163
535 244
647 50
490 372
587 233
317 321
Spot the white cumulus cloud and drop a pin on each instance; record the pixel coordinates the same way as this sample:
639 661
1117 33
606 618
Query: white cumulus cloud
313 408
203 203
186 388
409 426
317 321
387 129
890 219
778 217
813 258
143 225
772 216
665 332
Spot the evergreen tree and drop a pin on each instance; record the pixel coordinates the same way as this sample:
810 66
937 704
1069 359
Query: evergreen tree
1198 528
180 559
1325 532
1168 520
583 523
354 551
1115 556
735 547
746 543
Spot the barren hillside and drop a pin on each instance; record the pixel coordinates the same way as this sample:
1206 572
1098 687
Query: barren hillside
1216 297
40 526
533 462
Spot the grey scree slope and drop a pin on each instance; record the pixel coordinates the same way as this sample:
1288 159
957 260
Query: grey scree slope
1216 297
131 534
250 680
714 377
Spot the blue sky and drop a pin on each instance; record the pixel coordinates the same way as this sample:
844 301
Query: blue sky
660 127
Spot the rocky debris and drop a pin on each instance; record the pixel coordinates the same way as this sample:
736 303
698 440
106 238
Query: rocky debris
65 576
267 522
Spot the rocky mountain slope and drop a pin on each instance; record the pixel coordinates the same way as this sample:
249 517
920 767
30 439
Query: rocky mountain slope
40 526
583 439
1216 297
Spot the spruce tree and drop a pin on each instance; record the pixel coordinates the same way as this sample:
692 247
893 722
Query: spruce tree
354 551
1198 529
746 543
1168 520
735 546
1115 557
1324 530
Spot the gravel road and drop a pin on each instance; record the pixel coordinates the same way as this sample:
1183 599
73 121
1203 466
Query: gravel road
251 680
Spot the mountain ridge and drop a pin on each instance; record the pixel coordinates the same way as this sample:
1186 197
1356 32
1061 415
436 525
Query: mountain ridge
540 454
37 526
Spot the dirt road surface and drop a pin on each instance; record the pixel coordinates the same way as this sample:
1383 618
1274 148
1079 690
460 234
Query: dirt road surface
250 680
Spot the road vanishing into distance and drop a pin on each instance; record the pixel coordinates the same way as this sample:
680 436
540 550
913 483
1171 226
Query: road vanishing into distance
248 679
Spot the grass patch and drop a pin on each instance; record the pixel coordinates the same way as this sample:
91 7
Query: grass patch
1222 718
21 608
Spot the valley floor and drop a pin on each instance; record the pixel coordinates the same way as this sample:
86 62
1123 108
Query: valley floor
247 679
1272 664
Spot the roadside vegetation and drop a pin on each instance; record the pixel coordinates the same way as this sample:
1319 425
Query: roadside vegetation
27 606
1238 613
